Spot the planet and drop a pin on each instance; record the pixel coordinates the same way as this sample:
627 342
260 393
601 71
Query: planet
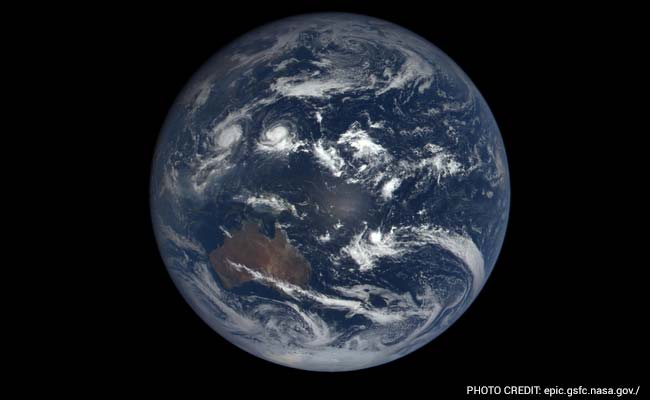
329 192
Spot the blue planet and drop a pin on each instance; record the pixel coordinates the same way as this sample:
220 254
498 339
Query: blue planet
330 192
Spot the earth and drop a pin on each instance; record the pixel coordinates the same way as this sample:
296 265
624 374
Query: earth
330 192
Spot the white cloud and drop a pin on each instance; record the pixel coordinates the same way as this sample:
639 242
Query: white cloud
364 146
181 241
414 69
278 140
366 248
328 157
310 87
369 246
326 237
268 202
228 136
389 187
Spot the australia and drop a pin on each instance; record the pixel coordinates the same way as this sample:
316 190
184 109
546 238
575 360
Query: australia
250 250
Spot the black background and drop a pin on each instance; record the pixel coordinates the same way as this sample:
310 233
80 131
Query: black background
563 305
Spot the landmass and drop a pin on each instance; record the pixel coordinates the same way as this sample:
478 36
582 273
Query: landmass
275 258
